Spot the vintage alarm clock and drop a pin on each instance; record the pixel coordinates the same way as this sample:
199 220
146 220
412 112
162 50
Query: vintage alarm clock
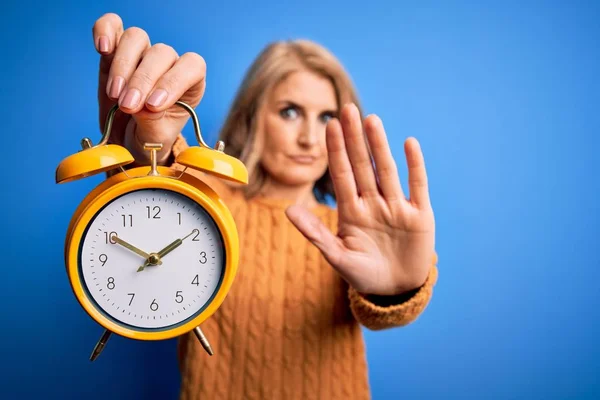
152 251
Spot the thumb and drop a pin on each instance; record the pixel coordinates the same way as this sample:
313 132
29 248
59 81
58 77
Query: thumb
139 131
317 233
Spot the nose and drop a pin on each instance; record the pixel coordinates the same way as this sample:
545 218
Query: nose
308 134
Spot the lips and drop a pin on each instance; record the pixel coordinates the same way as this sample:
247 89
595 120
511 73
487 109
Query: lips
302 159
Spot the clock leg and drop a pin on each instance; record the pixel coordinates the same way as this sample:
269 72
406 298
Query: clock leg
203 340
100 345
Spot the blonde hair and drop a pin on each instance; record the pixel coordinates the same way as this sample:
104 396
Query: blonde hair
274 64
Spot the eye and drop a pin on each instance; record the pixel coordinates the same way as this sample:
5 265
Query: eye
325 117
289 112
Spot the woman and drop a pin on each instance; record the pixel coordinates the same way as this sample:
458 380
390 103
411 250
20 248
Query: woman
309 275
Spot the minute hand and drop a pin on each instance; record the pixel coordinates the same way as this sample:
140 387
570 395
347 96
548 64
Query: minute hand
130 247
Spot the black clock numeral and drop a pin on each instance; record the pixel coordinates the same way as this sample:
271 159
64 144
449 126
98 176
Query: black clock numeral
195 238
178 296
108 237
179 215
132 296
111 283
203 258
103 258
125 219
156 210
154 305
196 281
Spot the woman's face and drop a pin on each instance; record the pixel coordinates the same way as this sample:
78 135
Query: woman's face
294 119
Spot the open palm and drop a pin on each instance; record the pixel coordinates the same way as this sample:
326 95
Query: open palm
385 241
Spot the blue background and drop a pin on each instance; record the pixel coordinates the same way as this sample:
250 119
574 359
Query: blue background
504 99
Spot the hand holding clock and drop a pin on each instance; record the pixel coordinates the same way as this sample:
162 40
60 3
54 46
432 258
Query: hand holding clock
145 80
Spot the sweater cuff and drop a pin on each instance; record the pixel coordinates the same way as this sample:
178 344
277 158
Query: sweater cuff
382 312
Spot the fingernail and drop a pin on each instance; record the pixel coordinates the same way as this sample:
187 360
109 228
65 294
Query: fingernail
157 98
131 99
103 44
115 87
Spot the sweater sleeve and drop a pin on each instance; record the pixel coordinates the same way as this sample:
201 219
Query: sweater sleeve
382 312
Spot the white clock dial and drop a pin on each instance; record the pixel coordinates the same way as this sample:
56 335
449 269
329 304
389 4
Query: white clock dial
159 296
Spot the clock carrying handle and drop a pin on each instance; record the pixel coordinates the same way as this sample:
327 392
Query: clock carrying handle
111 116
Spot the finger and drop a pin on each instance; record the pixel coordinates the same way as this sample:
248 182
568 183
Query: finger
106 31
340 169
155 63
134 42
185 81
314 230
385 166
357 151
417 176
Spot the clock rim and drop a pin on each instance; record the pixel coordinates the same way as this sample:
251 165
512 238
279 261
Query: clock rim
188 186
112 316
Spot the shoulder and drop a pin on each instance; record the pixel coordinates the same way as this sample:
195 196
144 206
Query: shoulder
233 194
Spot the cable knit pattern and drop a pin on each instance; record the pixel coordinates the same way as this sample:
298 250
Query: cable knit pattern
259 295
290 328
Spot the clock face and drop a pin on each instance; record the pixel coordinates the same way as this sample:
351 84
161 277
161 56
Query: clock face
184 274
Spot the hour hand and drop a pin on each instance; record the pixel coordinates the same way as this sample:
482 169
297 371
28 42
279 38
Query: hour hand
170 247
173 245
131 247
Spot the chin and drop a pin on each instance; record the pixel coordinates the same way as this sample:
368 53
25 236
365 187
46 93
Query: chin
298 175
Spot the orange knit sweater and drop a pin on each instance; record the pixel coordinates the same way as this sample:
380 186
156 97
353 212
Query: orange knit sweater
290 326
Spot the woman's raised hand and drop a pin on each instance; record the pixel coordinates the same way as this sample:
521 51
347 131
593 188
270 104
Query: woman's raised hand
146 80
385 244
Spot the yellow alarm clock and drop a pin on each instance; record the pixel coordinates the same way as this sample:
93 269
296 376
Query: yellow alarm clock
152 251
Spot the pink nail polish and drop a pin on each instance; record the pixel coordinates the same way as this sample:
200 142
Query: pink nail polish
157 98
103 44
108 84
131 99
116 87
